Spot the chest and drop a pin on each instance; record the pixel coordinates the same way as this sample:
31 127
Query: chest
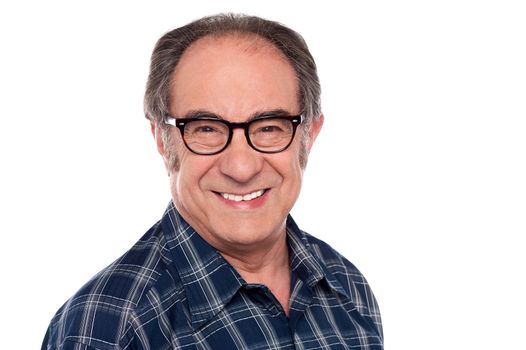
253 319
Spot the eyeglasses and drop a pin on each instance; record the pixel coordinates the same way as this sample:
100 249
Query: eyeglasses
208 136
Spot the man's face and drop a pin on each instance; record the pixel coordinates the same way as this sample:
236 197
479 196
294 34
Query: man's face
233 78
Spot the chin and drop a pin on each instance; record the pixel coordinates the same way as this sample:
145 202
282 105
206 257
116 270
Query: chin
249 233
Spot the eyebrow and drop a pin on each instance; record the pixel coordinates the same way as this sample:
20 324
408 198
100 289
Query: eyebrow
202 113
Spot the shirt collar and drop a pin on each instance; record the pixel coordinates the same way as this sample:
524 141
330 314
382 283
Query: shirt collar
307 265
210 281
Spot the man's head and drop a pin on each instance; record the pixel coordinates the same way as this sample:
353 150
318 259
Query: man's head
171 47
235 69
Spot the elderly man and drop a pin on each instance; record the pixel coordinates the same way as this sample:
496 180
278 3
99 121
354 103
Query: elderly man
234 106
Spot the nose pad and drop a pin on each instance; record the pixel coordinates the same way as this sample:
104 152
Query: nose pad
239 160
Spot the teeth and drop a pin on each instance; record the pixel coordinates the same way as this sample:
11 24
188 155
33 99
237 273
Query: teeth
239 198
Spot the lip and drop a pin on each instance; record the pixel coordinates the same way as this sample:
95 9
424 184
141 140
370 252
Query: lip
245 205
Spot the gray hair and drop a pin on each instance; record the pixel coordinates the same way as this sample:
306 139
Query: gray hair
171 46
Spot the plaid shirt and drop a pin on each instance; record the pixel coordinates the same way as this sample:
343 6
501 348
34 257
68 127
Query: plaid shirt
172 290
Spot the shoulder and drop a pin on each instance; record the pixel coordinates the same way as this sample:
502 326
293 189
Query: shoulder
100 313
345 271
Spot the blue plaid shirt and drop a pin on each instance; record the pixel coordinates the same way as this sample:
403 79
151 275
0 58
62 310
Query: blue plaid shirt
172 290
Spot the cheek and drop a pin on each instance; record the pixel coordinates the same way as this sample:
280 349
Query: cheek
188 179
185 188
174 151
290 167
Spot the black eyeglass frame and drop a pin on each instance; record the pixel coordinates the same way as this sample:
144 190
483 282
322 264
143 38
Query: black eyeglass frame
181 123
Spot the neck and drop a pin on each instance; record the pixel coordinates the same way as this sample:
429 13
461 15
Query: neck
269 266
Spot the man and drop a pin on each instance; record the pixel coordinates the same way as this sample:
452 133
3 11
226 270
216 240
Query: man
234 105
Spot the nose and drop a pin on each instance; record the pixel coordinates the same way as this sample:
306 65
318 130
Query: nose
239 161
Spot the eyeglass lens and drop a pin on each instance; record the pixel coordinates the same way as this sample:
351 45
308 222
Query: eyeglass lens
266 135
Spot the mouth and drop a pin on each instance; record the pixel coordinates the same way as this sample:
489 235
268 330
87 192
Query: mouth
242 197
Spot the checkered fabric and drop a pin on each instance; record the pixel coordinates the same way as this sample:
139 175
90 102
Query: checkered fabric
172 290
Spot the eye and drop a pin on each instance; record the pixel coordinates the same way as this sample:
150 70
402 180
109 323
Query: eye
269 128
272 126
205 128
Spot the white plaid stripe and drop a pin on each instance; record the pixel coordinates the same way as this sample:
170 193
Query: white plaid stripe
174 291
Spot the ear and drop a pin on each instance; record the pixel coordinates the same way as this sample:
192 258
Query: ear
156 133
315 129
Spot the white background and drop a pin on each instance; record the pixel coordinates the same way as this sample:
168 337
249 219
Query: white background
418 176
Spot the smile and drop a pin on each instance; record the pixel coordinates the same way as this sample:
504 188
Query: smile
246 197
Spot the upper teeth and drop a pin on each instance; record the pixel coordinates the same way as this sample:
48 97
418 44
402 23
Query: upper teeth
239 198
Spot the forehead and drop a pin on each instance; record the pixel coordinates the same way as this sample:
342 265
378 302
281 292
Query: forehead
233 75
